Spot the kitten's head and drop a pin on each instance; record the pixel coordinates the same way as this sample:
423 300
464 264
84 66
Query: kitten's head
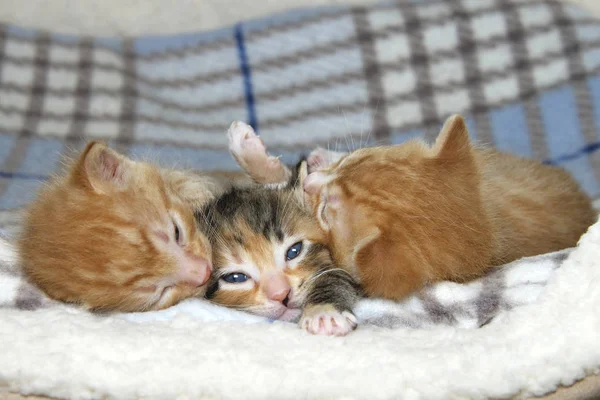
112 234
266 248
404 195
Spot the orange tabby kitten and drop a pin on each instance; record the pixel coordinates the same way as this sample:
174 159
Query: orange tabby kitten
401 217
116 234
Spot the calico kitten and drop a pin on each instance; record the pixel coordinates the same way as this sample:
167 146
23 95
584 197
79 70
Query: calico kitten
115 234
270 258
401 217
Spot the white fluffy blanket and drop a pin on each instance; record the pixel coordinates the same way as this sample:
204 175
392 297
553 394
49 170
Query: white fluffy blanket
197 350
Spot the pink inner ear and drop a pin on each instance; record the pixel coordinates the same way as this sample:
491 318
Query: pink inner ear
314 182
110 168
333 200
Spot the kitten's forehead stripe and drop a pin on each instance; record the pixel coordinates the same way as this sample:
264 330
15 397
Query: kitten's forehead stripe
266 212
279 234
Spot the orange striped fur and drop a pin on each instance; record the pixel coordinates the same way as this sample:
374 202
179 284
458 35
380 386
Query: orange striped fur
401 217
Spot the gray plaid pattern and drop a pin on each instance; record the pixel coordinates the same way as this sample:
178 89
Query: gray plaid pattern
54 89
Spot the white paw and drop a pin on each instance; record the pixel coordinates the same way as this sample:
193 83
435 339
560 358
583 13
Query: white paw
324 319
250 152
321 158
244 142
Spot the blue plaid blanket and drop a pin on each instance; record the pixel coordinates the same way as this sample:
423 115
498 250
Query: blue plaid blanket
526 74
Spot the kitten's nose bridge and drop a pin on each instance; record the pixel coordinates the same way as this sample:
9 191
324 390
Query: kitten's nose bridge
277 287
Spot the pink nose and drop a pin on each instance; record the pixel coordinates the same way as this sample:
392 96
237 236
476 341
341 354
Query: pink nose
314 182
194 273
277 287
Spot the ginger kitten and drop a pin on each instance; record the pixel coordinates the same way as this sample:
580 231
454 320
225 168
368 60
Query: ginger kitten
116 234
400 217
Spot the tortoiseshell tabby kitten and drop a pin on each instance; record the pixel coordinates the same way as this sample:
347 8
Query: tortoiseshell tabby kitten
270 258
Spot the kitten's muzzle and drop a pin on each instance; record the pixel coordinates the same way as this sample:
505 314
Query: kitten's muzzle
277 288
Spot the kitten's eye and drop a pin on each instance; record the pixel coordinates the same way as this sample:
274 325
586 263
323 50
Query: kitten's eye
235 277
293 251
177 233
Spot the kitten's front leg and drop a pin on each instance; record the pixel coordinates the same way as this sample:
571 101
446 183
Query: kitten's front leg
251 154
328 306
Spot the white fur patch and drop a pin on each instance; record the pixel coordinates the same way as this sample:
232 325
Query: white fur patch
8 254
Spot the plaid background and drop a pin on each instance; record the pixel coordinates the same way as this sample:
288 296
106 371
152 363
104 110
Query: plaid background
526 74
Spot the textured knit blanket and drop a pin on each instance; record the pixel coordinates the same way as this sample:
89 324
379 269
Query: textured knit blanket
200 351
525 73
463 305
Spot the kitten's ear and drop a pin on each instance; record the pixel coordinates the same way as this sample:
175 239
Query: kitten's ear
453 140
102 169
361 247
302 174
297 180
299 174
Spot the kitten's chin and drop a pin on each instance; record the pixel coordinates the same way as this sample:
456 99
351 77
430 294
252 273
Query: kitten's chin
290 315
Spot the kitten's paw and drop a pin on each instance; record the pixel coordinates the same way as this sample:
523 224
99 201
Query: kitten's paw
324 319
250 152
321 158
243 141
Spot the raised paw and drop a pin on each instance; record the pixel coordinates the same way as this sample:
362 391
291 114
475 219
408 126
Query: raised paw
321 158
243 141
251 154
324 319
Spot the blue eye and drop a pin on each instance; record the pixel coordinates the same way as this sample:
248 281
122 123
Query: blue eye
293 251
235 277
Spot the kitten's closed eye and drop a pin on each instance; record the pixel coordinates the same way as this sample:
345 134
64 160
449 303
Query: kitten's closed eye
177 233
